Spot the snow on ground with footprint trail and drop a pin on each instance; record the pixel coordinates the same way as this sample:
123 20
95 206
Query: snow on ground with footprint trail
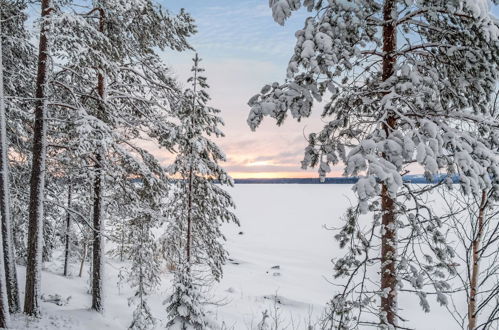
282 249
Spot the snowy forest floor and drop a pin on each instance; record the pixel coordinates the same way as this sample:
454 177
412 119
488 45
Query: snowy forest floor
282 249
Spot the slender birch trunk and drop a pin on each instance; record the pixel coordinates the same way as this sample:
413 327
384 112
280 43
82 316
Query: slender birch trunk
68 229
4 307
388 315
475 266
37 183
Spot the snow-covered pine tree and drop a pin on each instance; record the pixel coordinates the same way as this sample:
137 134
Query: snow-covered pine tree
136 30
109 78
18 74
199 205
403 78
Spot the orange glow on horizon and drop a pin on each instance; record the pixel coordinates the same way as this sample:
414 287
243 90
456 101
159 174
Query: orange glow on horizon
280 175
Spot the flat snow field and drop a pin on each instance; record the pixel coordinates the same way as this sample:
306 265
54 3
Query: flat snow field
282 249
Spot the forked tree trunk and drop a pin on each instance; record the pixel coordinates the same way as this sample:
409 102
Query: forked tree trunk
8 245
68 229
37 183
475 266
388 314
4 307
98 242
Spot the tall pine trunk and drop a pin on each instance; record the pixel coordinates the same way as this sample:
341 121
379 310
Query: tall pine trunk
475 266
68 229
388 314
4 307
98 242
37 182
7 235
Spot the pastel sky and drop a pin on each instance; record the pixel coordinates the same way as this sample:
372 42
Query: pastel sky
242 50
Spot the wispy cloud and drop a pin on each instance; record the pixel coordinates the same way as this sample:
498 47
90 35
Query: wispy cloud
243 29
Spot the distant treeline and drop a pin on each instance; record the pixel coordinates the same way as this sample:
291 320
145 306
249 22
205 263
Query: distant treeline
341 180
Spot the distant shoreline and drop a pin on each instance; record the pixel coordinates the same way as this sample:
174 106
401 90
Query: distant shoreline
339 180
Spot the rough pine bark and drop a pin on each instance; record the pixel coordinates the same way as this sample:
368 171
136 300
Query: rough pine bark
98 221
37 182
68 229
475 266
8 245
388 316
4 309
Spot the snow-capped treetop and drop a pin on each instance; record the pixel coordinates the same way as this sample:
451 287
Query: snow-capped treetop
198 122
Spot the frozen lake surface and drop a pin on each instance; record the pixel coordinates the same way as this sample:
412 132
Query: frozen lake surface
282 249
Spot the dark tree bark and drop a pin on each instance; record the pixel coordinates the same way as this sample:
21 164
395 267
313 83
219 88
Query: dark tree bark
98 242
5 213
389 226
37 183
68 229
97 248
4 309
475 266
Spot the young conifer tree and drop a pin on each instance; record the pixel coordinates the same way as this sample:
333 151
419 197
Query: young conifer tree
402 79
144 273
198 206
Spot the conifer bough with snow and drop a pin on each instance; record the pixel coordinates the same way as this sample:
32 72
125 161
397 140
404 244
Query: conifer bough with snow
404 81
